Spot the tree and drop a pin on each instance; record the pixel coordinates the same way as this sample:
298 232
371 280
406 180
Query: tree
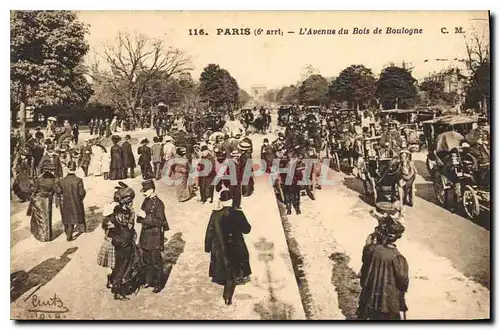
355 84
47 49
478 64
243 97
218 87
396 88
434 89
135 62
288 95
314 91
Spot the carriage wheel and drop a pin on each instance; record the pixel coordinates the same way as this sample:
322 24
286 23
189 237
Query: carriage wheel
470 202
440 190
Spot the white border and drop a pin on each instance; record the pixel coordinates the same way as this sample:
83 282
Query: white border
189 5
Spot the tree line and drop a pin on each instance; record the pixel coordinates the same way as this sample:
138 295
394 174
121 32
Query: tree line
357 87
52 74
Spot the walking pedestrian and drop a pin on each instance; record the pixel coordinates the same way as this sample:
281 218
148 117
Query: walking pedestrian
152 238
144 162
229 257
128 158
85 157
71 192
76 132
384 274
157 157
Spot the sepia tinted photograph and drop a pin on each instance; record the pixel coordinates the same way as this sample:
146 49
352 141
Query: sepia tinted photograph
250 165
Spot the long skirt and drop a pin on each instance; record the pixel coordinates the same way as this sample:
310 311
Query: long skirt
123 258
106 255
116 174
41 218
182 189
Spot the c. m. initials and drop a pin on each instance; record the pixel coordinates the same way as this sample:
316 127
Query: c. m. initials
459 30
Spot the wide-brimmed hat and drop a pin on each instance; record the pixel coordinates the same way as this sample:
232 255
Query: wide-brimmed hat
244 146
115 138
181 151
235 153
51 119
144 140
168 138
123 194
147 184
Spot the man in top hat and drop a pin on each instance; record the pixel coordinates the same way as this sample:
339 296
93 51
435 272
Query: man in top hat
128 157
144 152
152 238
72 192
85 156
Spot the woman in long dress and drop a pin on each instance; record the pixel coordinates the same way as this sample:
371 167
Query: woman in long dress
116 169
229 258
119 227
41 205
181 176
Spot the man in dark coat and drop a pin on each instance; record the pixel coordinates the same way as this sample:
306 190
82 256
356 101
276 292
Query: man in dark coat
144 162
128 157
152 240
246 169
85 156
72 192
229 258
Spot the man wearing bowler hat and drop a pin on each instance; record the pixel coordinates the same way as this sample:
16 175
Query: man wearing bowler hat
152 239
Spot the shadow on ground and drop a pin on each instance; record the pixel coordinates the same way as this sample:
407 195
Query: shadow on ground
173 249
38 276
346 283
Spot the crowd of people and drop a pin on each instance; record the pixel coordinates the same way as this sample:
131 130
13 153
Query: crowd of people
189 144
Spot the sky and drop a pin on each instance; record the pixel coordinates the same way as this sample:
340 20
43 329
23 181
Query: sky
275 61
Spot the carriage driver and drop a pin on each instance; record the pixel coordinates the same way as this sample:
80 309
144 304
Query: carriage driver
390 140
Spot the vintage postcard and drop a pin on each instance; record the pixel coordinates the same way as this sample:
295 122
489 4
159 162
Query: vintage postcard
250 165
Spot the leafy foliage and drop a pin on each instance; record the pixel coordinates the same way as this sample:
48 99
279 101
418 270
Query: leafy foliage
355 84
218 87
288 95
396 86
47 49
314 90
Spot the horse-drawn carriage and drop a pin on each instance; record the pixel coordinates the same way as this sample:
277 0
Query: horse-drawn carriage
456 171
408 125
387 175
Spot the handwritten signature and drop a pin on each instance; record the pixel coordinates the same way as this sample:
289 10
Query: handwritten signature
52 308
